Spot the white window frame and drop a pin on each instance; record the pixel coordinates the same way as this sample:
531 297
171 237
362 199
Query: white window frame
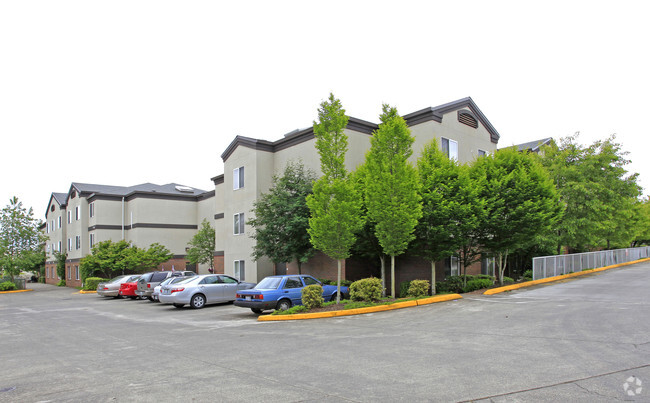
77 213
238 224
70 273
91 238
91 210
484 153
238 178
77 242
60 222
451 148
69 244
59 246
69 217
239 269
76 270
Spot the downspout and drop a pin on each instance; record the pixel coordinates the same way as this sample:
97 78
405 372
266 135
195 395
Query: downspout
122 217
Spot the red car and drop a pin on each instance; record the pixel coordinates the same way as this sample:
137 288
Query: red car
128 290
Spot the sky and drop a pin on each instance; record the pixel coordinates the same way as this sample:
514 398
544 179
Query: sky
128 92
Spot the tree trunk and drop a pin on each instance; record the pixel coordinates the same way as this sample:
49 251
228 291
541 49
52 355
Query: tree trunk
433 278
383 275
338 282
299 266
392 276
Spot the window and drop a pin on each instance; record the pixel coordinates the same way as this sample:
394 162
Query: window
60 222
210 280
52 226
69 244
60 246
76 269
227 280
240 270
482 153
69 273
69 217
239 224
77 242
293 282
238 178
77 213
310 281
467 118
451 266
450 148
92 240
91 209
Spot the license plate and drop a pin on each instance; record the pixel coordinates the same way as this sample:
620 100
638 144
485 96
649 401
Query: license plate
248 298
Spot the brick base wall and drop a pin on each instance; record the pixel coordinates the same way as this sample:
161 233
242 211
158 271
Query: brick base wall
219 265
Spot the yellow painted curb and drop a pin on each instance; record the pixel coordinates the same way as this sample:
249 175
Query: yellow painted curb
14 291
359 311
498 290
87 292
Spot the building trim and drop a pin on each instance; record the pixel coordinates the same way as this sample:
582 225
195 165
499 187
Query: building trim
142 225
219 253
218 216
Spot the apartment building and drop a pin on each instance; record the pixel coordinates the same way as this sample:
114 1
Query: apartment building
460 128
143 214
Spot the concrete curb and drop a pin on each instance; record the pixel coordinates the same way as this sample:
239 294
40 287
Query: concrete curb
360 311
14 291
87 292
498 290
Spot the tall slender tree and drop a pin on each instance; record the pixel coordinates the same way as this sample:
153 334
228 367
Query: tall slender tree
281 217
521 202
452 210
335 205
20 239
391 188
202 245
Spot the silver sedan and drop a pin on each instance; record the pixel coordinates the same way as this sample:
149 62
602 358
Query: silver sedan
112 288
198 291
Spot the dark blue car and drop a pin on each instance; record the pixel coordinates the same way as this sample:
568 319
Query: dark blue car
282 292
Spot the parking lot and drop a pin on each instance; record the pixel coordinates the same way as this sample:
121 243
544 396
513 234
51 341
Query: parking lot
579 340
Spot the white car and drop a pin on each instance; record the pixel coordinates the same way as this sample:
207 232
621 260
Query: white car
199 291
170 280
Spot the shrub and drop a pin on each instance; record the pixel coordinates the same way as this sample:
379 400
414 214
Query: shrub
477 284
61 283
418 288
404 288
7 286
344 283
91 283
312 296
507 280
367 289
528 275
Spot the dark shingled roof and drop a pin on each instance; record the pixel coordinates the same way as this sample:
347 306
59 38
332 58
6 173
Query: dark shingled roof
534 146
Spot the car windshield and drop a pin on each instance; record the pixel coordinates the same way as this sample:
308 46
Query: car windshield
269 283
132 279
184 280
117 279
169 280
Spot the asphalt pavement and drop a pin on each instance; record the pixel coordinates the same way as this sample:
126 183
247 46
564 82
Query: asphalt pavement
582 340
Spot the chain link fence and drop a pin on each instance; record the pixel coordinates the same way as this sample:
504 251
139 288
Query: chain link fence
549 266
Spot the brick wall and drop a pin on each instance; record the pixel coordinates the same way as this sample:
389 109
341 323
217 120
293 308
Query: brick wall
219 265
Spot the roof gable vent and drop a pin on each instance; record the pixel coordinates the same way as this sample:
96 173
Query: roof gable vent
467 118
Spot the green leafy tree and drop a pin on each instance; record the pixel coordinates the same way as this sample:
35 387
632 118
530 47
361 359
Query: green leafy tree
334 205
521 202
60 258
109 257
21 241
155 255
202 246
391 188
282 218
596 190
642 230
452 211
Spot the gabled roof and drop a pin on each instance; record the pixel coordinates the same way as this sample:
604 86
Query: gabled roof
534 146
302 135
435 113
170 189
59 198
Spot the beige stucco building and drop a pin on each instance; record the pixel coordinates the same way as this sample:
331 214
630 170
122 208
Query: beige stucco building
143 214
459 127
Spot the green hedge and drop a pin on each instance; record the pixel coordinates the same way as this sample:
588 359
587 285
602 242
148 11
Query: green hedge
61 283
344 283
7 286
418 288
312 296
454 284
367 289
477 284
90 284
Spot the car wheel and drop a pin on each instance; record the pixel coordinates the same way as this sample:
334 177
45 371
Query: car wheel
117 297
283 305
152 299
178 305
333 299
133 297
256 310
197 301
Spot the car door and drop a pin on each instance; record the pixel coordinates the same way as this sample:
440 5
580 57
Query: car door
293 289
229 286
209 287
